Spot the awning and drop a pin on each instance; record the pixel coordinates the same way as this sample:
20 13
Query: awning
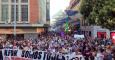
71 12
62 21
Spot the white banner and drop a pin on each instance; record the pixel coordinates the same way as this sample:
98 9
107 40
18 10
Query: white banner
10 54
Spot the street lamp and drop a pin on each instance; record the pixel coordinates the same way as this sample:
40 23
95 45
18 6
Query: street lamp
14 19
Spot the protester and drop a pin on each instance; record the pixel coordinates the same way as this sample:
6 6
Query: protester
1 47
88 48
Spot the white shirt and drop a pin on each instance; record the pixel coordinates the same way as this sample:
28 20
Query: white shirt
99 56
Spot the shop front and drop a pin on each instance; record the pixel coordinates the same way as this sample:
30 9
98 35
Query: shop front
21 33
96 32
101 35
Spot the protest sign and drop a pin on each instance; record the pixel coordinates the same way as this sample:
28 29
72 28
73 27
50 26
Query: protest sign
10 54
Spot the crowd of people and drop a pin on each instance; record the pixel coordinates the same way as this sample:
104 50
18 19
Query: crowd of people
90 49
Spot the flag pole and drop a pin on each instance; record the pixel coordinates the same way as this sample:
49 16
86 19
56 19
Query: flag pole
14 23
14 19
67 25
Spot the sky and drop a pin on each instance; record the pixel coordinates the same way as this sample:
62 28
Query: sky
57 5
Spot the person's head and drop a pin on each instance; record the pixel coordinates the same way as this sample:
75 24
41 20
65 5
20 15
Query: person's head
101 50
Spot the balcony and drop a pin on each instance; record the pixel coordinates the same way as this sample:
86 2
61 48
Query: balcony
21 25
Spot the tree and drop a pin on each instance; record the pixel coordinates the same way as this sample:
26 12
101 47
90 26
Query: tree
99 12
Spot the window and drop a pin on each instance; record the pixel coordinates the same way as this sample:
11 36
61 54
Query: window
12 13
24 1
21 10
14 1
4 0
24 12
4 12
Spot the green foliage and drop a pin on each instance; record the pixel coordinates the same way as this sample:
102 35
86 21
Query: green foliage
99 12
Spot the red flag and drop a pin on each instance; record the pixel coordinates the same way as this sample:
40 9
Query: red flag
113 37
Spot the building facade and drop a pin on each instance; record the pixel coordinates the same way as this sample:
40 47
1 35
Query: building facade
30 18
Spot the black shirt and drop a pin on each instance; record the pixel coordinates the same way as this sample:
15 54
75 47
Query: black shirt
1 47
